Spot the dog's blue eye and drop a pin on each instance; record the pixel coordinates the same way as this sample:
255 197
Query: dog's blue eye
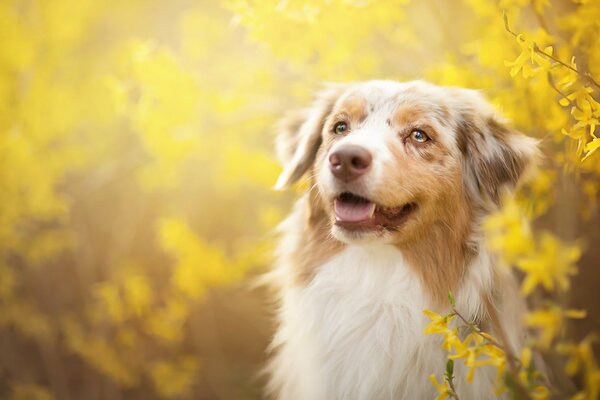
419 136
340 128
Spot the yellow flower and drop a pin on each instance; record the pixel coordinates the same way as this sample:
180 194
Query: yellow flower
530 62
580 355
525 363
443 388
540 392
508 232
581 360
591 148
497 358
470 355
172 379
526 357
550 322
550 266
439 323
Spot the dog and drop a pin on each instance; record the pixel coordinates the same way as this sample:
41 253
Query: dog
400 178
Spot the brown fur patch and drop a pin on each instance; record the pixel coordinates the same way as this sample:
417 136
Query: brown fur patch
491 170
352 110
410 113
435 241
441 252
510 166
355 108
468 135
406 114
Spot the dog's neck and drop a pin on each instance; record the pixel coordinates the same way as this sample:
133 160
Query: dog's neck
439 253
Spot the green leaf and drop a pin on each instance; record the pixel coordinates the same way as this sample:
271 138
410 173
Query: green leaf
450 370
451 299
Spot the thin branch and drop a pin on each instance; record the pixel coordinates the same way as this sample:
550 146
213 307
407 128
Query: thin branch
475 328
585 75
553 85
510 357
451 385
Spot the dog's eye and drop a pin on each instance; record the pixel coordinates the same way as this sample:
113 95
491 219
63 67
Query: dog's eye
340 128
419 136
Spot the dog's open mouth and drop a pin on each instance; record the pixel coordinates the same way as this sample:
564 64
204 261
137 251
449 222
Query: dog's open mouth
355 212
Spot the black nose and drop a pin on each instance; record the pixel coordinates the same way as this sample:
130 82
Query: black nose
349 162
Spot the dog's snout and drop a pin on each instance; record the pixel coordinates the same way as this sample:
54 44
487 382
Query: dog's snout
349 162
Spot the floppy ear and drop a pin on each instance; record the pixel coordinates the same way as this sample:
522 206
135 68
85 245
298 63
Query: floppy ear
496 157
299 136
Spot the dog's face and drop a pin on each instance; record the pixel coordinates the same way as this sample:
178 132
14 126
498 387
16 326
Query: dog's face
389 159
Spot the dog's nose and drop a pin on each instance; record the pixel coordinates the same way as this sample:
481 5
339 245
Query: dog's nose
349 162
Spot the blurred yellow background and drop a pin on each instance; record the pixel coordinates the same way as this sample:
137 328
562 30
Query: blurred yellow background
136 168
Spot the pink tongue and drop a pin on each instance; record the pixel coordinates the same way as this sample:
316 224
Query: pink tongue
353 212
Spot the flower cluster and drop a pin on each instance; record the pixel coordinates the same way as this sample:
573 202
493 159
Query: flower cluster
133 134
547 264
465 342
545 63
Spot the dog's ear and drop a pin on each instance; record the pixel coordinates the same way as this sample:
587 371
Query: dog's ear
299 136
496 156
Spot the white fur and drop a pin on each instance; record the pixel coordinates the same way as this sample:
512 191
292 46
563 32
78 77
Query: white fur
356 331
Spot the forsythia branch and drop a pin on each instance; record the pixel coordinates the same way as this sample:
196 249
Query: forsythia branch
512 360
585 75
450 379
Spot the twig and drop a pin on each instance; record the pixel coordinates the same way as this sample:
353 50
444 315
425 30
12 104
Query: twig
475 328
585 75
451 385
513 361
553 85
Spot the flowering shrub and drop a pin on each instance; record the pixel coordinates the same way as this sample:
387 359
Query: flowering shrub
129 132
545 261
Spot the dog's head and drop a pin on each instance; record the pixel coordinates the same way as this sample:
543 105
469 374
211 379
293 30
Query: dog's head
389 159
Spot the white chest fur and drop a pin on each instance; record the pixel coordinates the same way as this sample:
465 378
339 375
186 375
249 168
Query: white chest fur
356 332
